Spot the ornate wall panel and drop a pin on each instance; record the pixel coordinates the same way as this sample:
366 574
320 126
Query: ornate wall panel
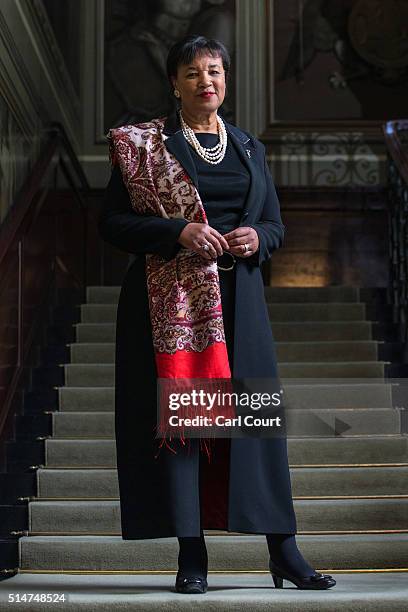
325 155
138 36
338 70
340 60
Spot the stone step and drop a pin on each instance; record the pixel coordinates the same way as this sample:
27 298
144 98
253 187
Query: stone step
334 311
104 353
350 394
314 481
301 451
349 422
303 331
316 311
86 398
232 552
102 375
340 369
154 592
103 517
355 395
341 293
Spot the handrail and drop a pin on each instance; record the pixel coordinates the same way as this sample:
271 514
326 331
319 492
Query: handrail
18 210
56 126
397 195
38 254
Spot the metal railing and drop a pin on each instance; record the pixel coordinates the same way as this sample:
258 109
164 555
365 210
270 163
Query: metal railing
395 134
43 246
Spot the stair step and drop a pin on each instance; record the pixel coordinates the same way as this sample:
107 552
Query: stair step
106 313
282 332
312 294
225 552
299 423
314 481
104 352
341 293
324 369
323 395
100 516
377 592
301 451
315 311
95 332
354 395
86 398
102 375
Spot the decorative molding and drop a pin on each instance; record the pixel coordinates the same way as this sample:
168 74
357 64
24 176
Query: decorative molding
34 80
371 130
52 61
270 64
314 157
35 88
17 86
99 46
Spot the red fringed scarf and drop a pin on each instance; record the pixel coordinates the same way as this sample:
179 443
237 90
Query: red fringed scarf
184 293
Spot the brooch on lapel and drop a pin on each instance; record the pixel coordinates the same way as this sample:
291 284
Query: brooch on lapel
248 152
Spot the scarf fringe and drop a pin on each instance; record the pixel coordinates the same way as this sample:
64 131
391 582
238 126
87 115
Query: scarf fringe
165 432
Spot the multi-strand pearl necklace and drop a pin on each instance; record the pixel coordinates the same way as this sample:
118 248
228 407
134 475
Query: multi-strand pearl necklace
212 155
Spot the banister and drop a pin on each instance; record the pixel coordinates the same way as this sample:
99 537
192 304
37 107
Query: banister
43 246
17 212
397 202
56 126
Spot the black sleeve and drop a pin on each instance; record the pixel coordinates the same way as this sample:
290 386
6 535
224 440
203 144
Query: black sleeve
122 227
269 228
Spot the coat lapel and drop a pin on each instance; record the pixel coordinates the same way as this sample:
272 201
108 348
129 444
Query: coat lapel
177 145
247 153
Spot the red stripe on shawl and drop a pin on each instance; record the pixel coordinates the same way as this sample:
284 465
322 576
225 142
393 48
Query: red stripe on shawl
210 363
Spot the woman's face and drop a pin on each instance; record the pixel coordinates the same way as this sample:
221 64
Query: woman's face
204 74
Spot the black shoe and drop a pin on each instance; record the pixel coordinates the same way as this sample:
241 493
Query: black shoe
315 581
191 584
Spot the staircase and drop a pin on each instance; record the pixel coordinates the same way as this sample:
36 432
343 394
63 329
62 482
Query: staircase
348 459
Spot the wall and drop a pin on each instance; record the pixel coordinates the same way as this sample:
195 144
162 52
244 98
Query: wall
35 88
87 76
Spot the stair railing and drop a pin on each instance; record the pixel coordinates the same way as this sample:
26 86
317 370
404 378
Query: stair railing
396 139
43 246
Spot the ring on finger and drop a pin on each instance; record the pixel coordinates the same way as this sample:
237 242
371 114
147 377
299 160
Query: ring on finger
205 247
246 247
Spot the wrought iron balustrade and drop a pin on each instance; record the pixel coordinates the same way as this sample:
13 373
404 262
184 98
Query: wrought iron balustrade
396 138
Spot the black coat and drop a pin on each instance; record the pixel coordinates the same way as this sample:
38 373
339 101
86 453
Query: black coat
249 479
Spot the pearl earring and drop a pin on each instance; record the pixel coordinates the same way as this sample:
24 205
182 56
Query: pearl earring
177 93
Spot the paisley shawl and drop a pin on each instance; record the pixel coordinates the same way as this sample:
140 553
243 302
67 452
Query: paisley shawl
184 292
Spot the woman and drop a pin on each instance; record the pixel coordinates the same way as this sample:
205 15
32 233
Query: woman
191 197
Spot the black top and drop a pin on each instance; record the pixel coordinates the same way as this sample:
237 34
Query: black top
222 187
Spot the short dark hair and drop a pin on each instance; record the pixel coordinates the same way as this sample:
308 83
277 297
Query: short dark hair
186 49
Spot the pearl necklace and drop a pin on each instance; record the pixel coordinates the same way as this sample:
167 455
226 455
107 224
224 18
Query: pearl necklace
212 155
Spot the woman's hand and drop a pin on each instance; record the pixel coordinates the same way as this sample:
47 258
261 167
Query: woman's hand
194 235
240 236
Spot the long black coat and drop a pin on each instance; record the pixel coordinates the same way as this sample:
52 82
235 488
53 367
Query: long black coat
160 497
